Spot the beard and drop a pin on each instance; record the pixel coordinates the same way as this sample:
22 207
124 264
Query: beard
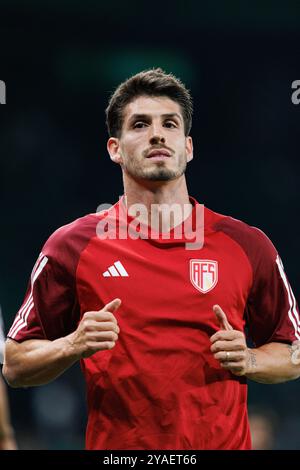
158 172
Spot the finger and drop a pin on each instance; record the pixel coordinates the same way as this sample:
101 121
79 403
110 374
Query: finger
100 336
232 356
102 325
223 335
95 346
236 368
222 318
99 316
112 306
235 345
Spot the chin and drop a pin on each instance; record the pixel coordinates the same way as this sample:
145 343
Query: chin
162 176
159 174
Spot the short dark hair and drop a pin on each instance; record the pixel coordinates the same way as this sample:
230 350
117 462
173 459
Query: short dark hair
153 82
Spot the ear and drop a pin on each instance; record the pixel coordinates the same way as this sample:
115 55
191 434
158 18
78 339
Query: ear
189 148
113 148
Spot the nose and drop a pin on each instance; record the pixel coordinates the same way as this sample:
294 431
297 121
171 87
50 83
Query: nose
157 138
156 135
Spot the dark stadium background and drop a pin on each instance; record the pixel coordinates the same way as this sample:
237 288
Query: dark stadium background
60 61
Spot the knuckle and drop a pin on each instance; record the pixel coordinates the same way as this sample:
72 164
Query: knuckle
90 345
112 327
87 324
111 317
104 326
113 336
105 315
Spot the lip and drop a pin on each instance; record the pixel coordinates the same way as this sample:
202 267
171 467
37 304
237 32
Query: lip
159 153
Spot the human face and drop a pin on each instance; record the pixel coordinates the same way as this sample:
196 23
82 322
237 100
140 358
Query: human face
152 145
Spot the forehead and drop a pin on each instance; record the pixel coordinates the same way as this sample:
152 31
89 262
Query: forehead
155 106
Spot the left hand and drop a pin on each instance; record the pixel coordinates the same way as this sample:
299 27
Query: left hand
229 346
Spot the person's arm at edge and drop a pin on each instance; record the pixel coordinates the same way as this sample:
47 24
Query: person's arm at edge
7 438
273 363
37 362
270 363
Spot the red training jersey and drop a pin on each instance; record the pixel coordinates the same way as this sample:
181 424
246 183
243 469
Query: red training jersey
160 386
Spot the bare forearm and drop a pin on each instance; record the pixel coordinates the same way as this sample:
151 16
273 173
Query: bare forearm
5 427
7 439
37 362
272 363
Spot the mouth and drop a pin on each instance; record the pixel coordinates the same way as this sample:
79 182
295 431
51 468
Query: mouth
159 154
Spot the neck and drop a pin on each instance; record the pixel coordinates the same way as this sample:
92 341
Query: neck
151 195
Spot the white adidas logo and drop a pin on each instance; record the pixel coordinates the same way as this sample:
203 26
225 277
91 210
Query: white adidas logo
116 270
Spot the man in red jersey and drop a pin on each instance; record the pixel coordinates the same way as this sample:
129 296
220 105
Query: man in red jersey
158 324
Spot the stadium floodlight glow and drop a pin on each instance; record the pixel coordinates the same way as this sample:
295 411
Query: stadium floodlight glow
2 92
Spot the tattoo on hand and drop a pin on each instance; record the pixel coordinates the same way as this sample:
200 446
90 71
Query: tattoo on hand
252 364
291 350
295 352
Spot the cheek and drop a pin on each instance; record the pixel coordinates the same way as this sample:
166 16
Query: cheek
181 149
179 143
130 146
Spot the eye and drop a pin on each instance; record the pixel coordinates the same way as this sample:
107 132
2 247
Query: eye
139 125
170 124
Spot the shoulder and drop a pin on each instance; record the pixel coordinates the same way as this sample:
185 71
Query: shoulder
82 228
65 245
250 238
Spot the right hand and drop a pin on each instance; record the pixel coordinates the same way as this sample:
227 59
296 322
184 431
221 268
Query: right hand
97 331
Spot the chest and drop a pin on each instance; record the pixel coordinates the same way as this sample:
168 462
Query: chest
162 283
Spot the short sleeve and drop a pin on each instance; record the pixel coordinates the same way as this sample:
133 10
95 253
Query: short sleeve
50 309
272 313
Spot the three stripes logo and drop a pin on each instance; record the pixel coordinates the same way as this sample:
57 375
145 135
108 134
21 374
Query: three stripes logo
116 270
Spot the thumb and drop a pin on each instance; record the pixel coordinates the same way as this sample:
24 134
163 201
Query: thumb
112 306
221 316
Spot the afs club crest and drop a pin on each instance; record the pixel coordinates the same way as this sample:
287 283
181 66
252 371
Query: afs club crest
203 274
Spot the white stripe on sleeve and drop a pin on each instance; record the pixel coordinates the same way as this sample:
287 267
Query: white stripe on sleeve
21 319
292 313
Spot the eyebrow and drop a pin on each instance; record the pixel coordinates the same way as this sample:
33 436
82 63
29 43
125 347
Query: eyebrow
135 117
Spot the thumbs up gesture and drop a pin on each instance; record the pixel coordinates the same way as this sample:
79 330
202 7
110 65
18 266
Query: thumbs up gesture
229 346
97 331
